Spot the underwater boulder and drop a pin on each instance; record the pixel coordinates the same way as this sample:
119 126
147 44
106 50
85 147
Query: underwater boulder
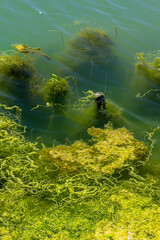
113 150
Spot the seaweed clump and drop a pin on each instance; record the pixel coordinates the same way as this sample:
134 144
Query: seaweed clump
30 50
17 76
49 194
113 150
56 90
93 44
91 53
148 66
16 67
94 110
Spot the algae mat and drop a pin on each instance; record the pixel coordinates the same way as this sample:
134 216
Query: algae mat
44 198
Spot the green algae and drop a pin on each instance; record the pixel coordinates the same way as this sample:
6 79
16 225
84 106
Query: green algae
13 66
44 200
90 53
93 44
85 112
113 150
56 90
17 76
22 48
149 66
136 218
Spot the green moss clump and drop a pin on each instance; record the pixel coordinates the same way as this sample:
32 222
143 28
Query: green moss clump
149 72
149 67
18 78
56 90
114 149
16 67
85 112
90 53
92 43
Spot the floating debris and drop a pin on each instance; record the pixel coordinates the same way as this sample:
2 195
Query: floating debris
30 50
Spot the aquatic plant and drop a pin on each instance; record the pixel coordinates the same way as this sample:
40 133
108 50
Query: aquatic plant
69 192
85 112
18 77
137 218
15 67
56 90
90 53
149 66
92 43
114 149
22 48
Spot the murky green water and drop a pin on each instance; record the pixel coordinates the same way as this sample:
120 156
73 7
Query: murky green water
44 200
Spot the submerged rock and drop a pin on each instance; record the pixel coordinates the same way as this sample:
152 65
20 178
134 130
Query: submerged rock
94 110
100 100
112 151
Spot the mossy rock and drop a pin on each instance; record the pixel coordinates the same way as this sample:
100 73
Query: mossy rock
113 150
85 112
56 90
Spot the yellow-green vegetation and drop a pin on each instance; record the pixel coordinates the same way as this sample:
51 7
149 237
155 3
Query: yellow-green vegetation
30 50
13 66
56 90
142 216
113 150
149 66
18 76
85 112
90 53
44 199
93 44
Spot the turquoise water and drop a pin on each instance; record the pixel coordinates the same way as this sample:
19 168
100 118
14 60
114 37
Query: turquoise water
51 24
